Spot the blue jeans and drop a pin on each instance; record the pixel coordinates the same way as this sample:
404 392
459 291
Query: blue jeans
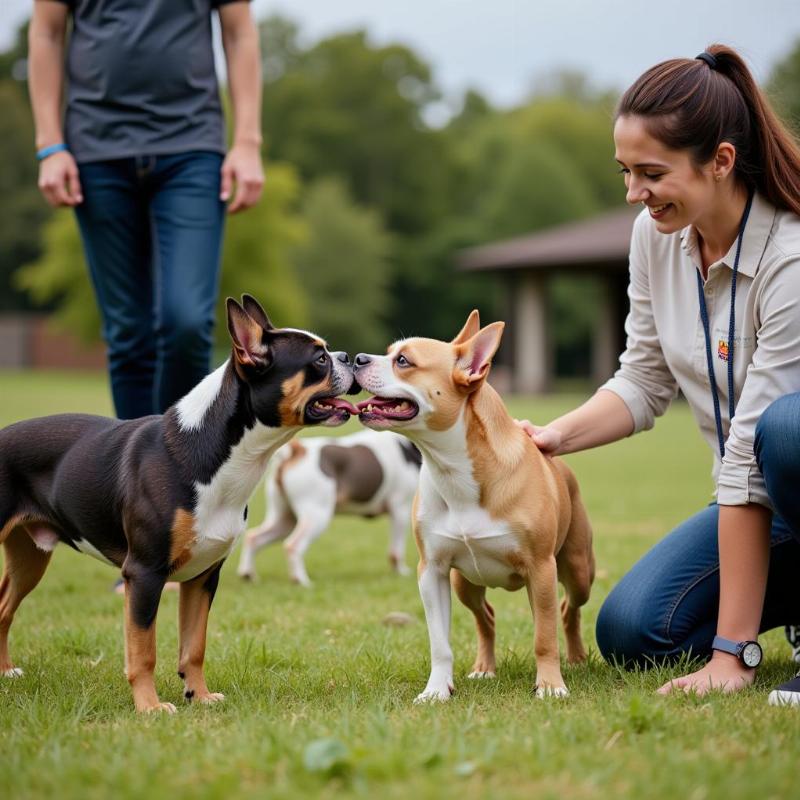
152 234
667 604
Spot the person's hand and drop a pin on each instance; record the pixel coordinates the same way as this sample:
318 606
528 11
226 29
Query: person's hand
242 166
58 180
548 440
724 673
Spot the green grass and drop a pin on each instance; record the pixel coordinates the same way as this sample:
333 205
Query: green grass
300 666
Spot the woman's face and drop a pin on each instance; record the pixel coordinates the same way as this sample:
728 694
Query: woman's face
675 192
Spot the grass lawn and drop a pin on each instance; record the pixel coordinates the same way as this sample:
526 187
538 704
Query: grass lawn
319 693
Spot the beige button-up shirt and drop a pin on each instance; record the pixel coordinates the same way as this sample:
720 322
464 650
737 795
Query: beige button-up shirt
666 348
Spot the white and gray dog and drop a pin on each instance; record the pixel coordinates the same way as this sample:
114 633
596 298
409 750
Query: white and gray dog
311 479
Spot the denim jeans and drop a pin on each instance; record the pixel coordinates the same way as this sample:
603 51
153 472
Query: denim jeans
152 233
667 604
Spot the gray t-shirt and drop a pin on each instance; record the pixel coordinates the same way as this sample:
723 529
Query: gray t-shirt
141 79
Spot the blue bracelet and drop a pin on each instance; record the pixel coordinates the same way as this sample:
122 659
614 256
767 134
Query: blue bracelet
49 151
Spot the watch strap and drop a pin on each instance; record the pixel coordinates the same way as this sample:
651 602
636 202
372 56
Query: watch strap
727 645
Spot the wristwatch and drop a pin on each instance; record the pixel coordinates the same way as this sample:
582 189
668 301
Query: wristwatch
749 653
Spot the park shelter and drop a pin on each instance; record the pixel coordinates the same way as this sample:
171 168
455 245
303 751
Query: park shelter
596 247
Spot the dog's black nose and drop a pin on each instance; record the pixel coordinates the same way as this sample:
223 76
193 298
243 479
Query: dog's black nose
343 357
362 360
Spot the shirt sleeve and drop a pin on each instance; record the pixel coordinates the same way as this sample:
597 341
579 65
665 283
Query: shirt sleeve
643 381
773 372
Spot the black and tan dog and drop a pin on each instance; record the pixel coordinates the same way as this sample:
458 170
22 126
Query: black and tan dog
163 497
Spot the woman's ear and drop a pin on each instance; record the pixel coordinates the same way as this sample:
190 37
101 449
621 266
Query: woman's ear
724 161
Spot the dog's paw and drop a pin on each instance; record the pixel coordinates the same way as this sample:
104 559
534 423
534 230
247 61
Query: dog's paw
550 691
434 695
211 697
166 708
482 673
13 672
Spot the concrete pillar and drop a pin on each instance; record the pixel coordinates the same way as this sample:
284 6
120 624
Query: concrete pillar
533 355
605 338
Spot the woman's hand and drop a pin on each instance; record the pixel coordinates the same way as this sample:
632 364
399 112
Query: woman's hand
724 673
547 439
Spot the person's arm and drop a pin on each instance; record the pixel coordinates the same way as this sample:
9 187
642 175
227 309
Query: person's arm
242 165
744 518
602 419
642 388
58 173
743 564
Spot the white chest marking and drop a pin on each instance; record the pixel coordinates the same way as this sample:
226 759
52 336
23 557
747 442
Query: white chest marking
456 530
193 407
219 510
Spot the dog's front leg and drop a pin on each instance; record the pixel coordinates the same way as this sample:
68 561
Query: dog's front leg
195 603
434 588
543 597
143 588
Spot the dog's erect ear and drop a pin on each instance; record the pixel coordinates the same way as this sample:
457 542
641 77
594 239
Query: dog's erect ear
253 309
476 355
471 327
247 335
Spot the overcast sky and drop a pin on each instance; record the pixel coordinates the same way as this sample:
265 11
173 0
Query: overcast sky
501 46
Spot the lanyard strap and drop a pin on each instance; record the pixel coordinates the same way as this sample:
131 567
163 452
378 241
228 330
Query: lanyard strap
731 327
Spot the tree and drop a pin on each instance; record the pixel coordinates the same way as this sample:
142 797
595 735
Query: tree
784 87
345 269
22 209
257 247
348 108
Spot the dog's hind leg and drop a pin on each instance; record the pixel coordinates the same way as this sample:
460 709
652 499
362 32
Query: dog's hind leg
313 504
576 572
474 598
195 603
24 566
310 525
277 525
272 531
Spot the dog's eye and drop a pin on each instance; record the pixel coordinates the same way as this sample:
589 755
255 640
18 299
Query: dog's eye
402 361
323 359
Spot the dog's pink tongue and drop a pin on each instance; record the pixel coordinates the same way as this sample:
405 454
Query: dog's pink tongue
340 402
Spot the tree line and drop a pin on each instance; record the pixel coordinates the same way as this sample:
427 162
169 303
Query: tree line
365 202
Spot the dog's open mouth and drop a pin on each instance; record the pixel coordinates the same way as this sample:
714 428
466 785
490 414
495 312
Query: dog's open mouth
377 409
330 410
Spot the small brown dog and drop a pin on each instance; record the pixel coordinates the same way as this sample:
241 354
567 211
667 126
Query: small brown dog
491 509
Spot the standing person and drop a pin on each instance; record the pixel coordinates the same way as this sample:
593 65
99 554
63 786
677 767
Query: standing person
715 312
141 158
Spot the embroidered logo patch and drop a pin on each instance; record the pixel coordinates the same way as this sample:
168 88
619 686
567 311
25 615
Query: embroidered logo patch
722 350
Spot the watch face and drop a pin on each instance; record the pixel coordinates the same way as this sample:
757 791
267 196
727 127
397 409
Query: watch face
751 655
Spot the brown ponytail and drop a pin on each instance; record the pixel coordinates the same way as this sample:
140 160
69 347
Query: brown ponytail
690 105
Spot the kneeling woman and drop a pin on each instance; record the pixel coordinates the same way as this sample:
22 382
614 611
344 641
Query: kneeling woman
715 313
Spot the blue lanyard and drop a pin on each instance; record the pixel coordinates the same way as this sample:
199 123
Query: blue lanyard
704 317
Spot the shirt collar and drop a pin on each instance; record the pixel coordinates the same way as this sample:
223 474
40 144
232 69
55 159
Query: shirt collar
756 235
